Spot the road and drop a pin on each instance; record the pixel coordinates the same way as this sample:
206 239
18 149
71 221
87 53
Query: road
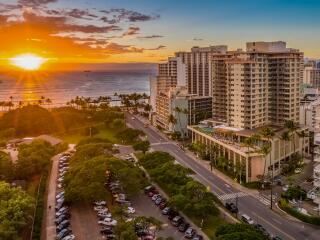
257 209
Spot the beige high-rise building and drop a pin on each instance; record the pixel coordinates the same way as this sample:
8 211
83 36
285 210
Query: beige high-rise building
198 65
257 87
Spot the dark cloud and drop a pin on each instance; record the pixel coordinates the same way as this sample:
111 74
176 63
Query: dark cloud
150 37
35 3
157 48
115 48
122 14
59 24
131 31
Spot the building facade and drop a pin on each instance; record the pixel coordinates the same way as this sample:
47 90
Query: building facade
258 86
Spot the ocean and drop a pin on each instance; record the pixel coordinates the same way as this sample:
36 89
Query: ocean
62 87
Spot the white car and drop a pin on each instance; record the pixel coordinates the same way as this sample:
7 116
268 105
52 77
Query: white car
105 215
285 188
69 237
111 223
100 203
130 210
100 208
133 118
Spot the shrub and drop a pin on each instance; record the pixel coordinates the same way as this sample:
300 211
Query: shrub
283 204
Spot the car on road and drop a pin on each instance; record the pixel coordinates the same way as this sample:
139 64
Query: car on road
260 228
189 233
232 207
246 219
177 220
183 227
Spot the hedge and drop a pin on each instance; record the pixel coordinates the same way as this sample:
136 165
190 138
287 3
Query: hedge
305 218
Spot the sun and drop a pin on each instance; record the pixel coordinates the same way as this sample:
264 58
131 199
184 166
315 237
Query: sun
28 61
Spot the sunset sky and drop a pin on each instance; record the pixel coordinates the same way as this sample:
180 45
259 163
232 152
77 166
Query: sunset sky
127 31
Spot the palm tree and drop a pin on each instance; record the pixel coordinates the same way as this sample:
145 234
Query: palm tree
212 151
269 133
264 150
172 120
303 134
285 136
181 111
292 127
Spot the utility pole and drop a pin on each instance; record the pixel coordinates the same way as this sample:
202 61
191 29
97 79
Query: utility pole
237 204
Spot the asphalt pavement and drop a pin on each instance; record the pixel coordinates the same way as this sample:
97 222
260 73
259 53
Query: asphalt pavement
256 207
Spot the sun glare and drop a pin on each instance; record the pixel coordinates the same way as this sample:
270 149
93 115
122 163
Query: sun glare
28 62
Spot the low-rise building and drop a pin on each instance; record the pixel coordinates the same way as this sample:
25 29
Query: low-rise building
242 159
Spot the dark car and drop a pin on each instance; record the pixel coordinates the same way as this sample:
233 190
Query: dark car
260 228
151 193
232 207
106 231
183 227
197 237
177 220
189 233
163 205
172 214
148 189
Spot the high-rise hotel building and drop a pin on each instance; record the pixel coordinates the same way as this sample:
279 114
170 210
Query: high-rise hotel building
257 87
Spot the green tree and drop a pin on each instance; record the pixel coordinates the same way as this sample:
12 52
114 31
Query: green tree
6 167
285 137
141 146
239 232
15 211
292 127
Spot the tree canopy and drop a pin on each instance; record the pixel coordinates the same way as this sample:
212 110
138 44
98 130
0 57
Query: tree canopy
239 232
15 211
142 146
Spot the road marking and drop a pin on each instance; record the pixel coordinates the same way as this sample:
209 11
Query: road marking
264 220
277 221
225 197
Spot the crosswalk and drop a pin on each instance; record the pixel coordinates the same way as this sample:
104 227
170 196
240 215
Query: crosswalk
265 199
228 196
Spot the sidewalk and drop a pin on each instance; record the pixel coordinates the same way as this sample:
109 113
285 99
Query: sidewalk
50 231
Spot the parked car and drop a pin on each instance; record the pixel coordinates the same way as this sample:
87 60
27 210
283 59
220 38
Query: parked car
69 237
154 192
190 232
177 220
100 203
285 188
183 227
155 197
61 218
158 200
62 225
163 205
172 214
197 237
111 223
63 234
130 210
106 231
246 219
232 207
166 210
149 188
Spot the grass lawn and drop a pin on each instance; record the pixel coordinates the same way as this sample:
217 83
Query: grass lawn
76 137
210 224
32 186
